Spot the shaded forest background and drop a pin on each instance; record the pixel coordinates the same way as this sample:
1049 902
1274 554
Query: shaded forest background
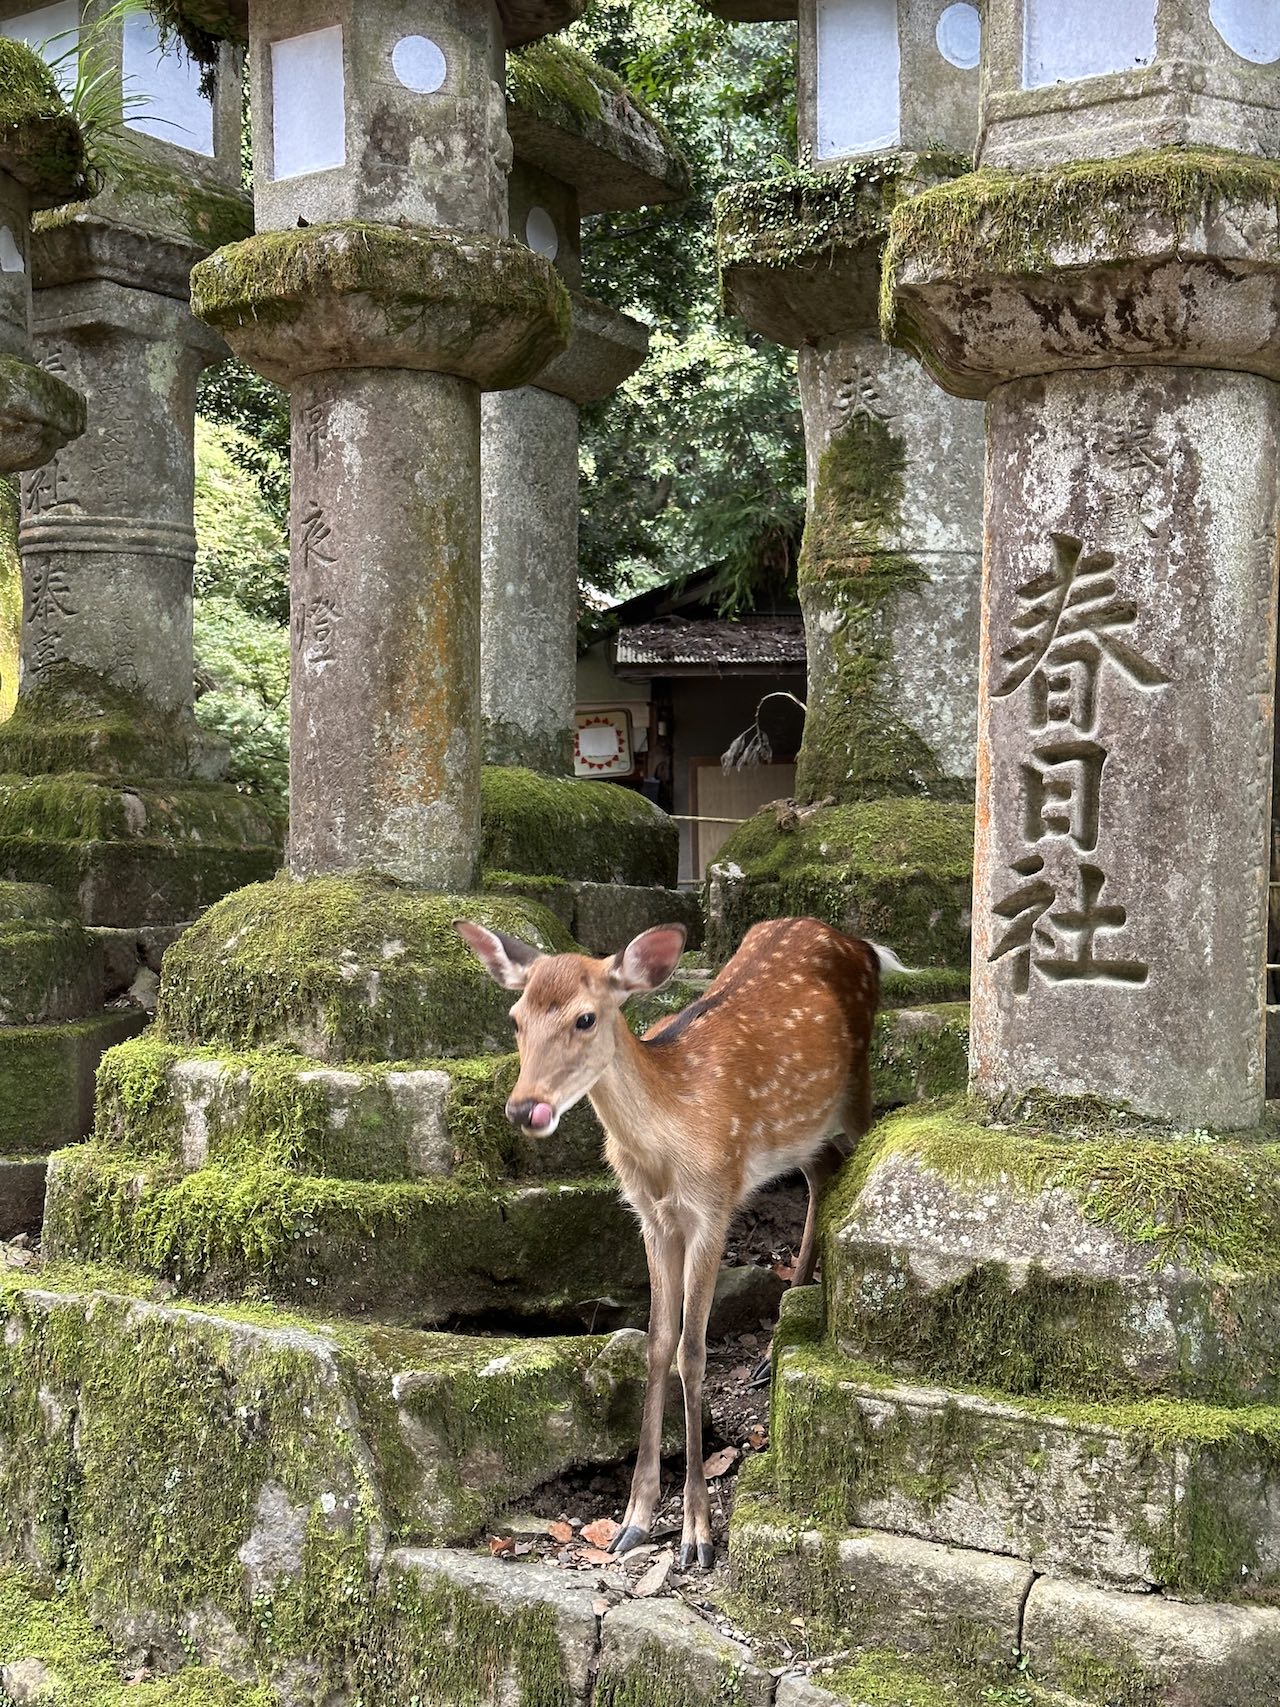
698 462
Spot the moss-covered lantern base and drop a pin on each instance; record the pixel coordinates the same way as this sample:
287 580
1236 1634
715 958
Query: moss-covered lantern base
1034 1405
897 871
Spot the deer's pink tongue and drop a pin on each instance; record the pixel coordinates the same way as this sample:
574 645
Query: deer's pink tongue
541 1115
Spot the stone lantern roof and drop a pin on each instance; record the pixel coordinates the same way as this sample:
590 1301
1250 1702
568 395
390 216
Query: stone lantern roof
204 23
40 143
580 124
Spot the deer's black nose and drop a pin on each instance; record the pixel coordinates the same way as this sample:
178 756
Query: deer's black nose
530 1115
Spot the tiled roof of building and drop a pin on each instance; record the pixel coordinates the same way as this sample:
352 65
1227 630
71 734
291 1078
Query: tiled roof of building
713 644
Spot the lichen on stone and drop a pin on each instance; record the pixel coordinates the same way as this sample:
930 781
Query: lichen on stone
40 143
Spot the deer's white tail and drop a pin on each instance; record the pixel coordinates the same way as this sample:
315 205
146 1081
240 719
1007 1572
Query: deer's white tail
889 961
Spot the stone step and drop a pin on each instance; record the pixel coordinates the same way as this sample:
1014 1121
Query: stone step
51 1654
603 917
919 1605
47 1078
361 1122
419 1253
1158 1494
1110 1263
919 1052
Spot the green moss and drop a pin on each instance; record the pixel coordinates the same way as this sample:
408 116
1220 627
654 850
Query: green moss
345 969
663 1676
30 395
410 272
75 720
920 1053
897 871
593 832
833 1455
1004 223
54 1629
553 81
75 807
807 218
49 969
415 1253
853 578
46 1078
143 196
473 1650
924 986
287 1110
40 143
1211 1203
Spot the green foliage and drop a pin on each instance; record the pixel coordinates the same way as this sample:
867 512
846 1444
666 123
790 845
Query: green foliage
699 459
241 616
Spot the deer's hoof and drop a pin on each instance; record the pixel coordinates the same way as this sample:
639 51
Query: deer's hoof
626 1539
706 1555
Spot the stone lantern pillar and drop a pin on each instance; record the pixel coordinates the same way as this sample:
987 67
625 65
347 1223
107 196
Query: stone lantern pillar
599 152
1128 644
382 288
888 104
107 535
1072 1272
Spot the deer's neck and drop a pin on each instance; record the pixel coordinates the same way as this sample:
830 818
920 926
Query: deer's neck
640 1096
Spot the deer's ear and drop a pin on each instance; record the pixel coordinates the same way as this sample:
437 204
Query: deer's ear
506 959
648 960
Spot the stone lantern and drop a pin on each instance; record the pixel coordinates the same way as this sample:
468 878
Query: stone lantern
107 533
1085 1244
600 152
888 104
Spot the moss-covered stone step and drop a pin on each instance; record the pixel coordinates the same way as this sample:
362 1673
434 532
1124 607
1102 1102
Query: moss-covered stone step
379 1121
52 1655
919 1053
897 871
227 1482
419 1253
1159 1494
50 968
1103 1260
603 917
345 970
862 1588
47 1078
599 832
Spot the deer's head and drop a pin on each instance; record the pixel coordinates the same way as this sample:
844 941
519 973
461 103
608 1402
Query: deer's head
569 1013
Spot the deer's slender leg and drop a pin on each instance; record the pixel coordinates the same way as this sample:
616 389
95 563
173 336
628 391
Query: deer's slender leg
701 1265
817 1172
665 1254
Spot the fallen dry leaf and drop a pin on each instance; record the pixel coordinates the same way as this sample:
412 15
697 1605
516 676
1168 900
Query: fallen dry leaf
757 1438
522 1548
592 1556
784 1270
501 1547
600 1607
720 1462
561 1532
601 1532
654 1579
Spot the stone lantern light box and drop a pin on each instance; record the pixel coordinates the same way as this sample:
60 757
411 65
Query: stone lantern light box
886 74
1066 82
160 84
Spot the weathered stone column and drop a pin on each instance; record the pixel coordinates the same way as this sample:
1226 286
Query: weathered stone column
889 570
403 320
1128 643
583 144
144 835
1057 1297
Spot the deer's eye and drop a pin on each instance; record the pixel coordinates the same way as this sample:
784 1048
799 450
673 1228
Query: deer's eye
584 1022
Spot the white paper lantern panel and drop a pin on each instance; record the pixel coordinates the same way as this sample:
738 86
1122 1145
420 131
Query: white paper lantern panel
1088 38
858 80
308 103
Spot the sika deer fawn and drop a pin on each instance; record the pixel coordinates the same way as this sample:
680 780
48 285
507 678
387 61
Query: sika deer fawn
756 1078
